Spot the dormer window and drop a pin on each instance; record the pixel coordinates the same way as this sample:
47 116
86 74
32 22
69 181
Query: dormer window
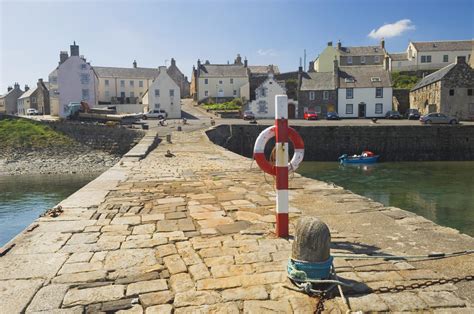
349 60
375 49
349 80
376 59
375 79
362 60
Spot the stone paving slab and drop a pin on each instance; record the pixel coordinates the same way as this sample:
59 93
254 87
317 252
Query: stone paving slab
194 234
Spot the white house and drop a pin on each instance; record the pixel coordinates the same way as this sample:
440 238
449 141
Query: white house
364 91
73 80
431 55
164 93
264 104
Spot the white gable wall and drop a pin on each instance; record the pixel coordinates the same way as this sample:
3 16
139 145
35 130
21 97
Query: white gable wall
172 104
264 106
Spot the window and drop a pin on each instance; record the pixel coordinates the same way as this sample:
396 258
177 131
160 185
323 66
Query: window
263 92
349 60
375 79
312 95
220 82
140 83
83 67
262 106
85 78
376 59
349 93
107 94
471 108
206 81
379 92
362 60
231 81
171 92
85 94
317 109
378 108
157 92
425 59
235 92
326 95
157 106
451 92
54 79
469 91
349 80
132 94
132 83
33 99
206 93
122 83
349 109
445 58
106 82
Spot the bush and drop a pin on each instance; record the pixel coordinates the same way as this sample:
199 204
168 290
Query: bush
235 104
403 80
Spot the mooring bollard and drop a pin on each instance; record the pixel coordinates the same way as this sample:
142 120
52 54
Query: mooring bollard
168 138
179 128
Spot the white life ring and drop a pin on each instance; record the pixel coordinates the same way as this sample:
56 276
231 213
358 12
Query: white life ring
262 140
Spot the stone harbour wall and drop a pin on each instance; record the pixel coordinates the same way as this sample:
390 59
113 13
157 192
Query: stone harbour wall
392 143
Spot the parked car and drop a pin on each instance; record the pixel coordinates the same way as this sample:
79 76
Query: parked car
155 114
31 112
392 114
248 115
413 114
438 118
332 116
310 115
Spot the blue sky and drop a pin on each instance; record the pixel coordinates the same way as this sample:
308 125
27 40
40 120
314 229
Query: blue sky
114 33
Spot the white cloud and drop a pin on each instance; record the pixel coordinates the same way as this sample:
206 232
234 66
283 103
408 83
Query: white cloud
392 30
268 52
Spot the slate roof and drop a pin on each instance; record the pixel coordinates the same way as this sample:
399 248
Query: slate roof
454 45
223 70
402 56
434 77
133 73
318 81
362 76
263 69
28 93
361 51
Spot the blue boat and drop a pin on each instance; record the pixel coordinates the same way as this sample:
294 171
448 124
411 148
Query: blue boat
366 157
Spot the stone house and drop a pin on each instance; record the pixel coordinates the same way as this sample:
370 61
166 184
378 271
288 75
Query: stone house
34 98
73 80
263 104
8 101
448 90
318 92
431 55
164 93
175 73
349 56
364 91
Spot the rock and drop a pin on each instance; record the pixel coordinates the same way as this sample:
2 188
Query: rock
93 295
146 286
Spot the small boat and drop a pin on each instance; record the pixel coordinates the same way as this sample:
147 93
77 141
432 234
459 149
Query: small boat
367 157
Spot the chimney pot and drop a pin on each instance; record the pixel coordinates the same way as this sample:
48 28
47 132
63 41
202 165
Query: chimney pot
26 87
9 88
382 43
339 45
173 62
135 64
330 43
74 50
245 62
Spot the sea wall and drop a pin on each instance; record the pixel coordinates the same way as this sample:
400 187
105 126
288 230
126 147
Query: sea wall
392 143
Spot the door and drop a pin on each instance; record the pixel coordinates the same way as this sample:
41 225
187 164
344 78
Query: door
361 110
220 93
291 111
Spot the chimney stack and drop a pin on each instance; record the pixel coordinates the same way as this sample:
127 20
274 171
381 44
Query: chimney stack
134 64
63 56
26 87
238 60
329 43
74 50
245 62
16 86
336 65
386 63
9 88
199 63
382 43
173 62
339 45
311 66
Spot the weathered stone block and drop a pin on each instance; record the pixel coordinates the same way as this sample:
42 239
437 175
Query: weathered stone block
312 240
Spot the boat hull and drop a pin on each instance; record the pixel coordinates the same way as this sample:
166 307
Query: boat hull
359 160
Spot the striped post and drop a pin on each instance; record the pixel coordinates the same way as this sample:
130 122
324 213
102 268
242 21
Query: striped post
281 164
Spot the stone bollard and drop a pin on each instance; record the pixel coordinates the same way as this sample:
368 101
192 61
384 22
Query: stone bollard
179 128
168 138
312 241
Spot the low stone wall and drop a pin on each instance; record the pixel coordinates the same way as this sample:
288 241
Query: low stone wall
114 140
392 143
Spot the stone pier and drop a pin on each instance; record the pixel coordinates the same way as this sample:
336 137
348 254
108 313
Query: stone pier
194 234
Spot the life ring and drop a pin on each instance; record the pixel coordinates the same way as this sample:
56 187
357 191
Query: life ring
262 140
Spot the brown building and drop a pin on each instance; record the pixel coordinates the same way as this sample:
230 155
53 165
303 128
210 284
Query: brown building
449 91
34 98
179 78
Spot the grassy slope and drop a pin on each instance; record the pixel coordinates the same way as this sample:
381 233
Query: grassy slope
21 133
401 80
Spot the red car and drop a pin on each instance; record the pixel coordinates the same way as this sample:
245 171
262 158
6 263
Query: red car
310 115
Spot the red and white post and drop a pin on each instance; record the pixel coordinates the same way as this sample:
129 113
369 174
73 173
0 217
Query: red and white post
281 164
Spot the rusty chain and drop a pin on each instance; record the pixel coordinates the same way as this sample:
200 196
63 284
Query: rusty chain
323 296
425 284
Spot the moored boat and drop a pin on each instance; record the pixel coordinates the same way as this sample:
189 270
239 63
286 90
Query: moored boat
367 157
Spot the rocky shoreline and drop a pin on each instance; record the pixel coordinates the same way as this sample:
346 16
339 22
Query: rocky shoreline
56 161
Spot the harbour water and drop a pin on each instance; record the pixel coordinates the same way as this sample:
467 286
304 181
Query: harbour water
440 191
23 198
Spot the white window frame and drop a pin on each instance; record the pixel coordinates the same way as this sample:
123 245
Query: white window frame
122 83
206 93
132 95
325 95
380 109
381 92
351 107
445 58
132 83
107 94
349 60
220 82
171 92
312 95
351 96
235 92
